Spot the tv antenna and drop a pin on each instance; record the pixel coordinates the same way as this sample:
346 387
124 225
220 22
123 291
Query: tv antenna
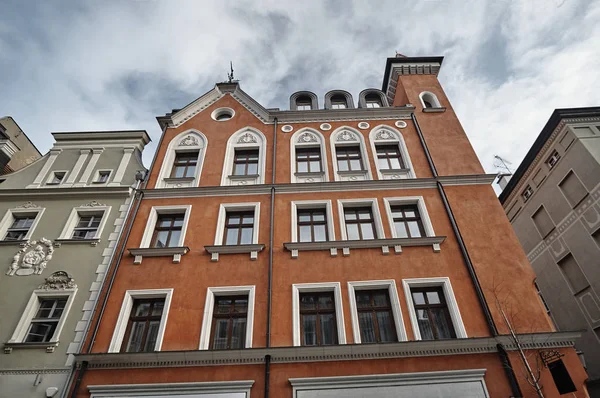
230 78
502 164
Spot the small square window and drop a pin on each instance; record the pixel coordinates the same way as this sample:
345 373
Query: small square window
57 177
553 159
102 177
527 192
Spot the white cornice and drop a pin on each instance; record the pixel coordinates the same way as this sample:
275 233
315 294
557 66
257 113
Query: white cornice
416 68
96 192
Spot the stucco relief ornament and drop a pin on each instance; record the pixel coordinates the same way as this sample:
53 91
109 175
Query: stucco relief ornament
383 135
190 140
28 205
59 280
32 258
346 136
307 137
93 203
247 139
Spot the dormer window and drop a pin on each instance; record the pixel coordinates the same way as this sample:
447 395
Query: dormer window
373 101
338 102
430 101
303 103
372 98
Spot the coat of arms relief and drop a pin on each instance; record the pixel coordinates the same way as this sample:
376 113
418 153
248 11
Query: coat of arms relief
31 258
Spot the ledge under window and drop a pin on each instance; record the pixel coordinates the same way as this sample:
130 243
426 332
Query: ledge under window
92 242
49 346
434 110
395 174
385 244
9 242
253 249
141 252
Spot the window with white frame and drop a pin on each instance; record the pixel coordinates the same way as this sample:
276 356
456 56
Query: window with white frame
202 389
56 177
238 224
312 221
228 318
375 311
372 98
373 101
433 309
244 161
351 162
392 158
360 219
429 100
308 158
18 224
318 318
85 222
408 217
102 176
166 226
183 161
142 321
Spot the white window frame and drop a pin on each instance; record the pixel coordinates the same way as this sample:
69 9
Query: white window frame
395 139
444 282
372 202
361 143
312 204
181 390
233 144
209 305
388 284
294 145
153 218
433 99
176 147
121 326
32 307
225 207
9 218
96 180
51 177
76 213
334 287
408 200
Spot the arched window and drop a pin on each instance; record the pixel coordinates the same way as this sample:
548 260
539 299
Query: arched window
338 99
429 100
182 164
373 101
391 156
303 101
372 98
338 102
308 157
244 162
350 160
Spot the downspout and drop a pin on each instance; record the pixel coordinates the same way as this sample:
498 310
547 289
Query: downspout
270 277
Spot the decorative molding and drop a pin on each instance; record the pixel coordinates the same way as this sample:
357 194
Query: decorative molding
384 134
141 252
189 140
31 258
252 249
325 126
345 136
94 203
44 193
287 128
59 280
247 138
363 125
178 389
28 205
33 371
400 124
307 137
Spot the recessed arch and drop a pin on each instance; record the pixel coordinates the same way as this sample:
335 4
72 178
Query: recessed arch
188 142
366 97
346 137
307 138
245 139
301 96
338 94
384 136
429 100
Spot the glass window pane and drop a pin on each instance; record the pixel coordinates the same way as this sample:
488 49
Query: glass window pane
309 324
305 233
364 215
325 302
367 328
401 231
320 233
223 306
178 222
380 299
151 337
239 169
395 162
315 166
433 297
350 215
328 329
231 237
439 319
415 231
135 337
191 170
342 165
418 298
157 308
410 212
352 231
318 216
386 328
174 240
363 300
220 337
302 167
355 164
307 302
424 325
304 217
142 309
248 219
383 164
234 220
246 237
161 239
368 231
238 333
40 332
241 306
252 168
179 171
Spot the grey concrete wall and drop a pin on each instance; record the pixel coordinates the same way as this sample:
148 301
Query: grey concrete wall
28 153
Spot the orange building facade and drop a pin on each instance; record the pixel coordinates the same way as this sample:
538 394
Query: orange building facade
345 251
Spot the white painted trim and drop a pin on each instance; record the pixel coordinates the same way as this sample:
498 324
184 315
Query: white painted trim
334 287
9 218
312 204
444 282
153 217
96 152
33 304
76 213
320 144
356 203
408 200
174 147
398 139
173 389
53 154
121 325
83 155
225 207
209 305
232 144
219 111
433 99
360 142
120 173
389 284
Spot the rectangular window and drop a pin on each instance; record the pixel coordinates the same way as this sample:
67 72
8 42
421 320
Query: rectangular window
87 227
373 104
349 158
360 224
312 225
44 323
57 178
527 192
184 164
20 227
407 221
562 379
317 319
553 159
239 228
573 273
245 162
389 158
375 317
230 316
303 106
144 323
573 189
432 313
167 230
543 222
338 104
308 160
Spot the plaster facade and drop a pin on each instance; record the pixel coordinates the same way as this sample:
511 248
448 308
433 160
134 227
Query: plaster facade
19 151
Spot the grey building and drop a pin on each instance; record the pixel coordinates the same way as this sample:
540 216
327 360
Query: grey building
16 149
60 218
553 203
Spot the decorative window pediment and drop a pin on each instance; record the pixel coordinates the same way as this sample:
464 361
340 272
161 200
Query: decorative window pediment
244 162
392 160
308 158
350 159
182 165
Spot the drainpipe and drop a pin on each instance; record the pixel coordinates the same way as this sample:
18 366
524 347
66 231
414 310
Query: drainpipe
84 365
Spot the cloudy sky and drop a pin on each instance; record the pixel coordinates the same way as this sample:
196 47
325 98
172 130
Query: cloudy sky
101 65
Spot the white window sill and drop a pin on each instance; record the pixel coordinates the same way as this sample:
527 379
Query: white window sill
346 245
395 174
353 175
49 346
92 241
183 182
141 252
9 242
253 249
434 110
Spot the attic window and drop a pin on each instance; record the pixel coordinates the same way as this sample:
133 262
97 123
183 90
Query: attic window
222 114
303 103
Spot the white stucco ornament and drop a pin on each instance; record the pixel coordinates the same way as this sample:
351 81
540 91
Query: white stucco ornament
31 258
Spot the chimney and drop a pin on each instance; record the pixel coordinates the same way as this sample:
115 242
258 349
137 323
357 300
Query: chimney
503 180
